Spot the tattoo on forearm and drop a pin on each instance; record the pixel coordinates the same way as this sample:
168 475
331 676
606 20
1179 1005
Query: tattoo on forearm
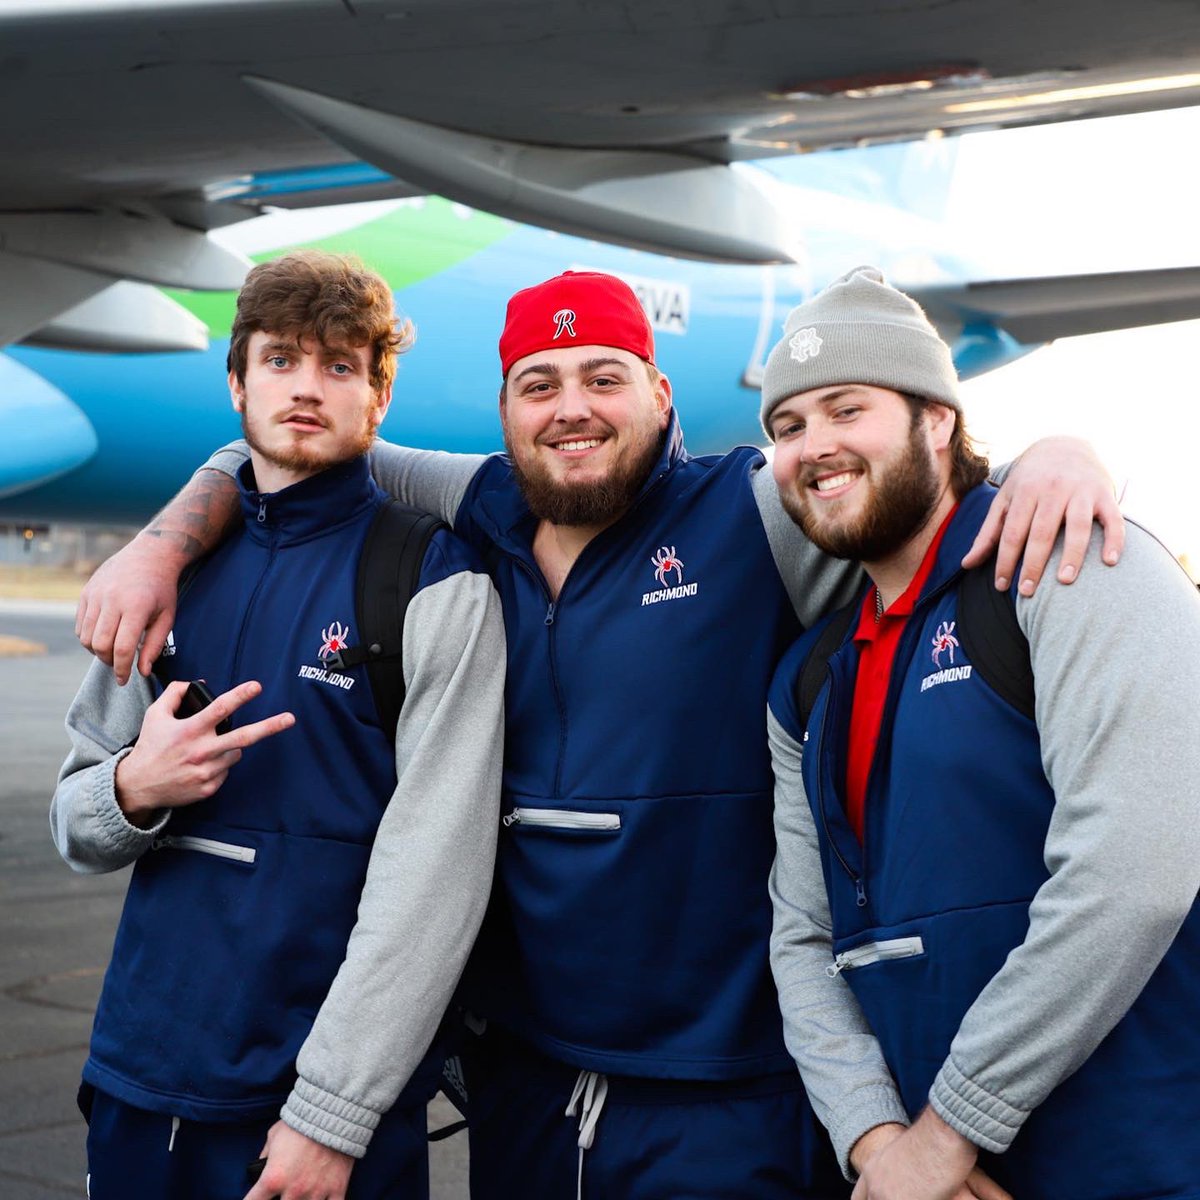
199 517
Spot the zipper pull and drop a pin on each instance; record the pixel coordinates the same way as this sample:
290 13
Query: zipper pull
160 842
550 614
860 893
836 967
262 512
511 819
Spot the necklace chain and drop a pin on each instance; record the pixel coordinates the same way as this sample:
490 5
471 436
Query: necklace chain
878 606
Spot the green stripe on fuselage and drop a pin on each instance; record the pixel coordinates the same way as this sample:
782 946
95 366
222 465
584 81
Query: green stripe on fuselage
407 245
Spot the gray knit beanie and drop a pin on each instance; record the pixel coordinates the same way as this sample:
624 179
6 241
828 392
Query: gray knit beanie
860 329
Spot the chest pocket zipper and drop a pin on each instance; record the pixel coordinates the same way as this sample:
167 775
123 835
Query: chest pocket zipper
875 952
217 849
562 818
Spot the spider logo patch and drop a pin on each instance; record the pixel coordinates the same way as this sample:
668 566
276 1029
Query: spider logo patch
665 562
334 640
668 574
944 640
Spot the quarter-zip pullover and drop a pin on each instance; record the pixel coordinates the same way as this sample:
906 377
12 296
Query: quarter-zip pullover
1015 938
330 850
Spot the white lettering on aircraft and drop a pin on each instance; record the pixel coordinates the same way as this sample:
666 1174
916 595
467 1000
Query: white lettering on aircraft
667 303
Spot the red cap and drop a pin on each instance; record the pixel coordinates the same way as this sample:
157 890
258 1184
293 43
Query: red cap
576 308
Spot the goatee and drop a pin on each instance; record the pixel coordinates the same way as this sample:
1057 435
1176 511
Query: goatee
588 502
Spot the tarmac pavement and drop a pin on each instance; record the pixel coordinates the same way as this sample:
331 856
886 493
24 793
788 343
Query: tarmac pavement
56 931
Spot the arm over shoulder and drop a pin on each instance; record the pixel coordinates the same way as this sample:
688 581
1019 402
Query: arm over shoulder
816 583
432 480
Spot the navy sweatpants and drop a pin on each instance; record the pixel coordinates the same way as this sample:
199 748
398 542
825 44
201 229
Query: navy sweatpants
652 1140
133 1156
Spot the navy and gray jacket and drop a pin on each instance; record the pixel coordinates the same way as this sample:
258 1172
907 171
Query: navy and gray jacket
988 869
241 907
629 930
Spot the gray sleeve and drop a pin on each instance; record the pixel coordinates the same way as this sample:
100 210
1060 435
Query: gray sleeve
431 480
87 824
429 875
841 1063
816 583
1116 660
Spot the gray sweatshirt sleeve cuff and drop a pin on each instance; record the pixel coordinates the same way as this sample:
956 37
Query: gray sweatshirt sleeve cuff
871 1105
119 833
987 1120
330 1120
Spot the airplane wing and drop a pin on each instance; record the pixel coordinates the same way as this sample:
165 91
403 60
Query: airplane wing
979 317
132 127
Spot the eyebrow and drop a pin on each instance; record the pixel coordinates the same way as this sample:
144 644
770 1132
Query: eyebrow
553 371
838 393
327 353
784 413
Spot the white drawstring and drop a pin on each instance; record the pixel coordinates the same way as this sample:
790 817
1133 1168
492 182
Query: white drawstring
588 1096
174 1131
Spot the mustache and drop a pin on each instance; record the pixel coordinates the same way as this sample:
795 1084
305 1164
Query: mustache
809 474
573 433
301 411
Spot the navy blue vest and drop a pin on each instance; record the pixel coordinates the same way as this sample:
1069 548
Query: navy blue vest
629 927
957 813
236 923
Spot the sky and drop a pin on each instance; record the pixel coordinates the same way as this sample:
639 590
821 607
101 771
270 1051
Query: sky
1118 194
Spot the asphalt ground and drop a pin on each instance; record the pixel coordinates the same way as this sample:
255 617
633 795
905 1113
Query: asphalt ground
56 931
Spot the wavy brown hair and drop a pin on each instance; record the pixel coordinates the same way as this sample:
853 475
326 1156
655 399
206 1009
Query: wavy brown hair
968 468
330 297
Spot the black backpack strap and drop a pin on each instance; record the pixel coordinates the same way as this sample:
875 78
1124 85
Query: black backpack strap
997 647
812 673
389 570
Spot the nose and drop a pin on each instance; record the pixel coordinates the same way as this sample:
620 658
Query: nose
573 403
820 441
308 380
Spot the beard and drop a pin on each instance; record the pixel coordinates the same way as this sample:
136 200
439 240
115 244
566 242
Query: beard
298 456
587 502
901 501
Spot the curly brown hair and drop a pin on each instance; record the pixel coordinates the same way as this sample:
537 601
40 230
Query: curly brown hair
331 297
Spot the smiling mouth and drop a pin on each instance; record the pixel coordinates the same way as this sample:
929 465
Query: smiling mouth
829 483
578 444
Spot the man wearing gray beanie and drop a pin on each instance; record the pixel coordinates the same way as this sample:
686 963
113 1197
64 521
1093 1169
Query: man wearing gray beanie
985 917
862 330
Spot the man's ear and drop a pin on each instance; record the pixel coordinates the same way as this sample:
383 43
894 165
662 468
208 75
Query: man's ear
941 418
662 398
237 393
383 398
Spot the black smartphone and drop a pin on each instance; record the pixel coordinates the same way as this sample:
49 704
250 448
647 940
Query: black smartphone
196 698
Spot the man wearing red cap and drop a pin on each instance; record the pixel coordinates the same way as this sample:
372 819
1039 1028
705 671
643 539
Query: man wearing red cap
628 1042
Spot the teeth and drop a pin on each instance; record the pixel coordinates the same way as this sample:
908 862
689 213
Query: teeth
834 481
579 445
